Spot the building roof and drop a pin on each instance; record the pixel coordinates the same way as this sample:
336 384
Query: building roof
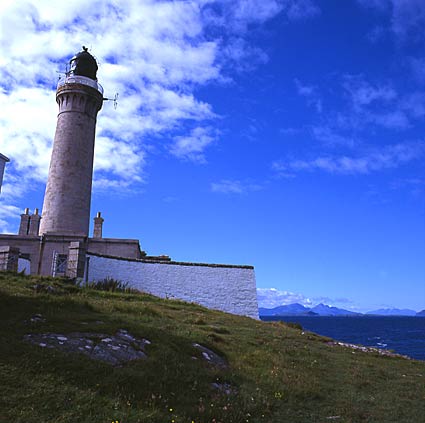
4 158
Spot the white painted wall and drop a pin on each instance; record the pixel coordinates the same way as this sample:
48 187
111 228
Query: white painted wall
229 289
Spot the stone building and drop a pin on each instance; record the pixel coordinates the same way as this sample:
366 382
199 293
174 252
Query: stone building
58 243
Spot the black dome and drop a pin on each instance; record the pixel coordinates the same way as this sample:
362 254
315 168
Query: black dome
84 64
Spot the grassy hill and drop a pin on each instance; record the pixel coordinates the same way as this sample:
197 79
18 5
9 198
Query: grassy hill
275 373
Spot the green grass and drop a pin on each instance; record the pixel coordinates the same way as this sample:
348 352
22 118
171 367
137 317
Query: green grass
280 374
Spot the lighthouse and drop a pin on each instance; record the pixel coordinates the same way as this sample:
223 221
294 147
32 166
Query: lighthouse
66 207
57 243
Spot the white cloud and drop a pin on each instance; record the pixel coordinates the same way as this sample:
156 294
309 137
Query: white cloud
7 214
329 136
192 146
302 9
407 17
119 157
241 56
247 11
366 104
414 104
374 104
364 93
240 14
386 158
228 186
272 297
27 125
304 90
311 93
395 119
154 53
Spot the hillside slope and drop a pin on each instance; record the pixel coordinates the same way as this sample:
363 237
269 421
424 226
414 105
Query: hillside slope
275 374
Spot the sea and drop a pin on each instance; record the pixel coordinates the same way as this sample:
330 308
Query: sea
403 335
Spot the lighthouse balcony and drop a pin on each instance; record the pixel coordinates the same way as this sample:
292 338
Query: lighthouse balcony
78 79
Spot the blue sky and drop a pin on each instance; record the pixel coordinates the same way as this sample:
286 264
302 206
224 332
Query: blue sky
284 134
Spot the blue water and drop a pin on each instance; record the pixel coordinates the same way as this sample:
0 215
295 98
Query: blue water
404 335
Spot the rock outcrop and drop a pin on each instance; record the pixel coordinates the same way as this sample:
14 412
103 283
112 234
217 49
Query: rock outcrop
116 350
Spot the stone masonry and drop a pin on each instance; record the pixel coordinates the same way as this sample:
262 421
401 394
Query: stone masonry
98 226
66 208
9 257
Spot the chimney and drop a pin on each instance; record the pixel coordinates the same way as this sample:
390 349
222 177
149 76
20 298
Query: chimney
25 222
98 223
34 224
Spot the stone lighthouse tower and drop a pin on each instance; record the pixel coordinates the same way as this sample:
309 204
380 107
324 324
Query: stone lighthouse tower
66 207
58 243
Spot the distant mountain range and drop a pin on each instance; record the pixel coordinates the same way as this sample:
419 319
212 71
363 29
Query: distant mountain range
286 310
325 310
299 310
392 312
